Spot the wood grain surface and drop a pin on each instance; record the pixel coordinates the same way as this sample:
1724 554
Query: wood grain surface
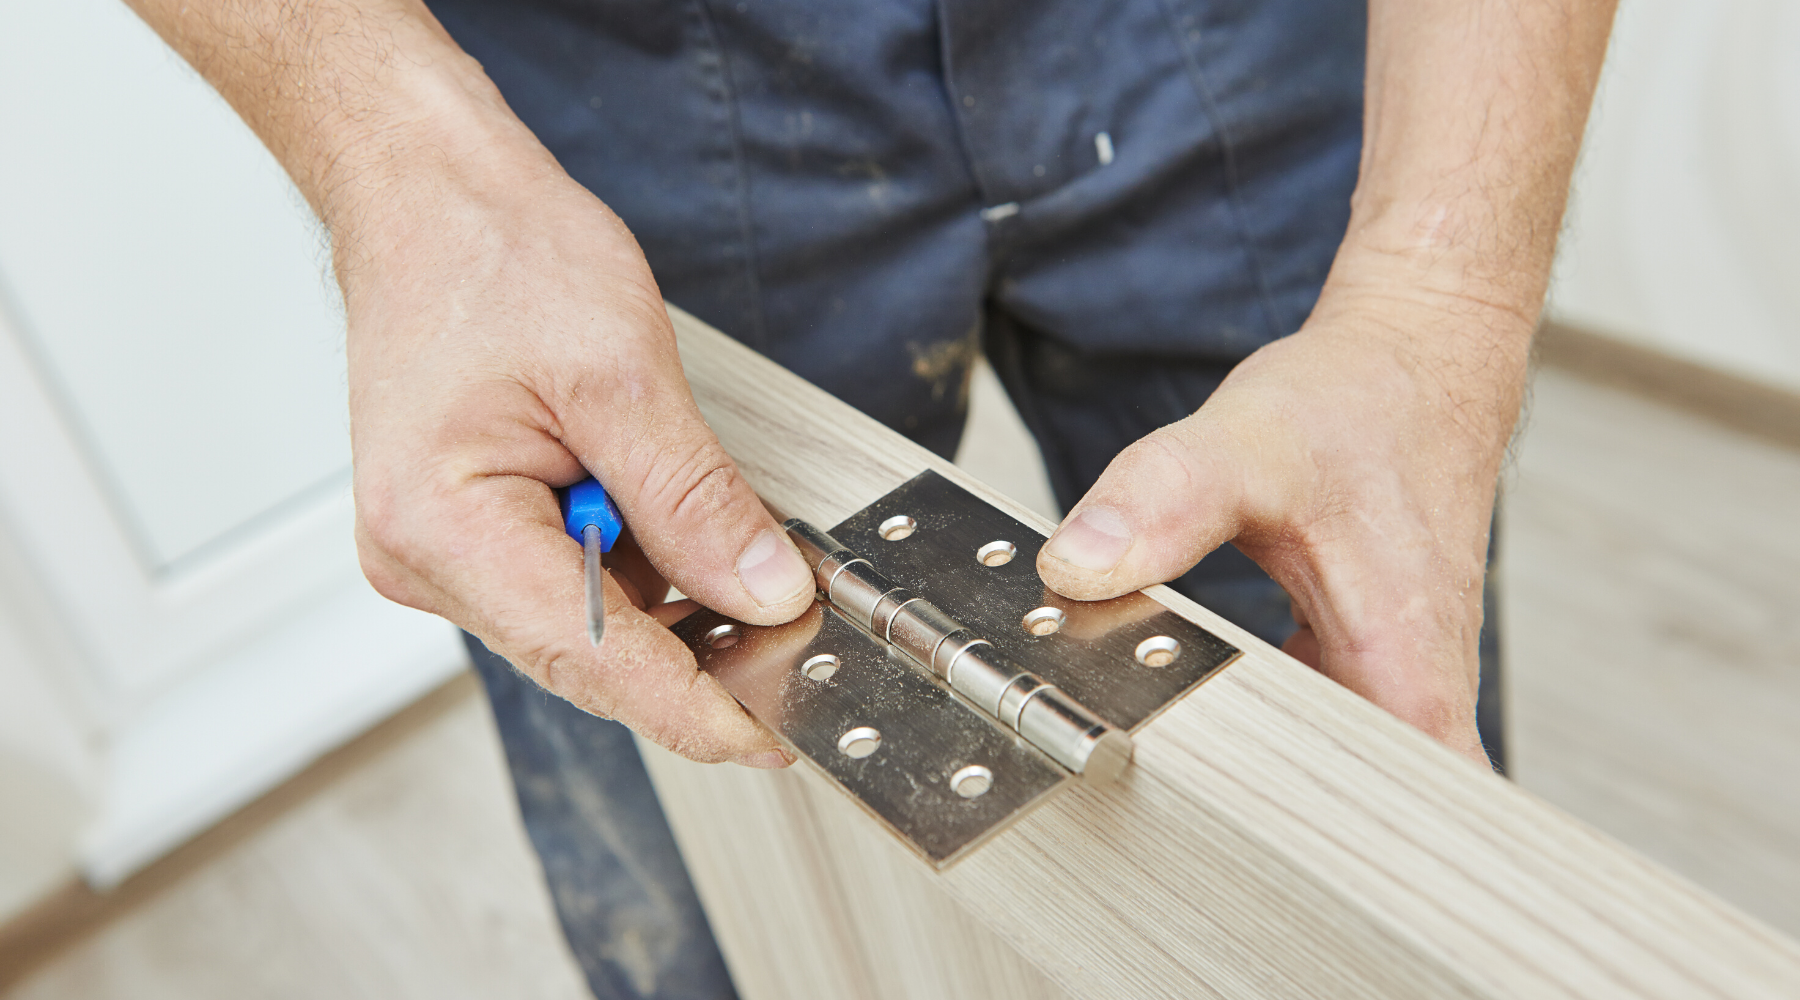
1276 837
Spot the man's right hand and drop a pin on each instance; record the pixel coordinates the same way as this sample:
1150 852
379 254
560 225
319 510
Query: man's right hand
505 339
515 343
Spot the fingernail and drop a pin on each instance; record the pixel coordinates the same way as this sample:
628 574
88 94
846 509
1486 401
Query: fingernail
1095 539
772 760
772 572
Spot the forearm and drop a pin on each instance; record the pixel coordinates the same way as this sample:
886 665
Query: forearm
369 105
1475 112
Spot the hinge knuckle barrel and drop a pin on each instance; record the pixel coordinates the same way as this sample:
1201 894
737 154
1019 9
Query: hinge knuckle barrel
1073 736
949 648
920 629
1046 717
982 674
1013 699
834 564
815 546
881 620
856 588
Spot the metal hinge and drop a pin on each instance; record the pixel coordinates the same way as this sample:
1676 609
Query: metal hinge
938 682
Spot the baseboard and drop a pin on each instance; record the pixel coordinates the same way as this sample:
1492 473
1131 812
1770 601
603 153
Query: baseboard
256 717
1743 404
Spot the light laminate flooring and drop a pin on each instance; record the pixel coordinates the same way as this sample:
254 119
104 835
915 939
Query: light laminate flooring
1651 571
409 878
1651 567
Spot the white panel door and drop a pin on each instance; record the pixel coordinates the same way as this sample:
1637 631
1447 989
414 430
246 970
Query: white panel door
163 287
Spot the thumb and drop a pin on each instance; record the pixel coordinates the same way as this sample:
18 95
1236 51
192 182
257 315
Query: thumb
1161 505
688 506
490 554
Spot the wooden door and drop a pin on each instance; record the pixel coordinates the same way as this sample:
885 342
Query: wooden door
1276 836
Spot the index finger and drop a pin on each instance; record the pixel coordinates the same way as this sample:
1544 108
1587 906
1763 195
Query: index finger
492 556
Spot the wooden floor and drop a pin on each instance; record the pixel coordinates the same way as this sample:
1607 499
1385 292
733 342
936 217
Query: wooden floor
1651 564
408 878
1652 576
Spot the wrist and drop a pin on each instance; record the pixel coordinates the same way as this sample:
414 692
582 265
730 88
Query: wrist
462 195
1471 251
442 146
453 204
1441 339
422 150
1444 292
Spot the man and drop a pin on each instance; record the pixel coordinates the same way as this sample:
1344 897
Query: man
1301 273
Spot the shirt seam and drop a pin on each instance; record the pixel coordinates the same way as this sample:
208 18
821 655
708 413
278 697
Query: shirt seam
1228 157
992 253
740 161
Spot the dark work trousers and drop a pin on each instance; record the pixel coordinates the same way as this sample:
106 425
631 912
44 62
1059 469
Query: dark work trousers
1115 201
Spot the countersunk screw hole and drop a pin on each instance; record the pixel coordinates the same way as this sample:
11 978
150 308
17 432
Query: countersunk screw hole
972 782
820 668
1158 651
723 636
1044 621
860 742
897 527
996 553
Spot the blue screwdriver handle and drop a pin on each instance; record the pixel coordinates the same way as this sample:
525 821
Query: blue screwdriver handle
586 503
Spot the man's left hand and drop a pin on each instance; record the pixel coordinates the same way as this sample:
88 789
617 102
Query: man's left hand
1356 462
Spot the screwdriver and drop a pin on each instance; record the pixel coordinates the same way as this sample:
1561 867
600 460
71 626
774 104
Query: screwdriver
591 519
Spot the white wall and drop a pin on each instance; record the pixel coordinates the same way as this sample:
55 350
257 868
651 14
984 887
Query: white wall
1684 233
182 620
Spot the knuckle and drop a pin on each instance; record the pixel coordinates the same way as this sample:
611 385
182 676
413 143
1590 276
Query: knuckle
695 483
382 529
567 673
680 736
389 578
677 732
698 750
389 532
382 575
378 525
1168 453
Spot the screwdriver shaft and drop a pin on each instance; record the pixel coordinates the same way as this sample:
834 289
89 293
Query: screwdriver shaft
596 584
